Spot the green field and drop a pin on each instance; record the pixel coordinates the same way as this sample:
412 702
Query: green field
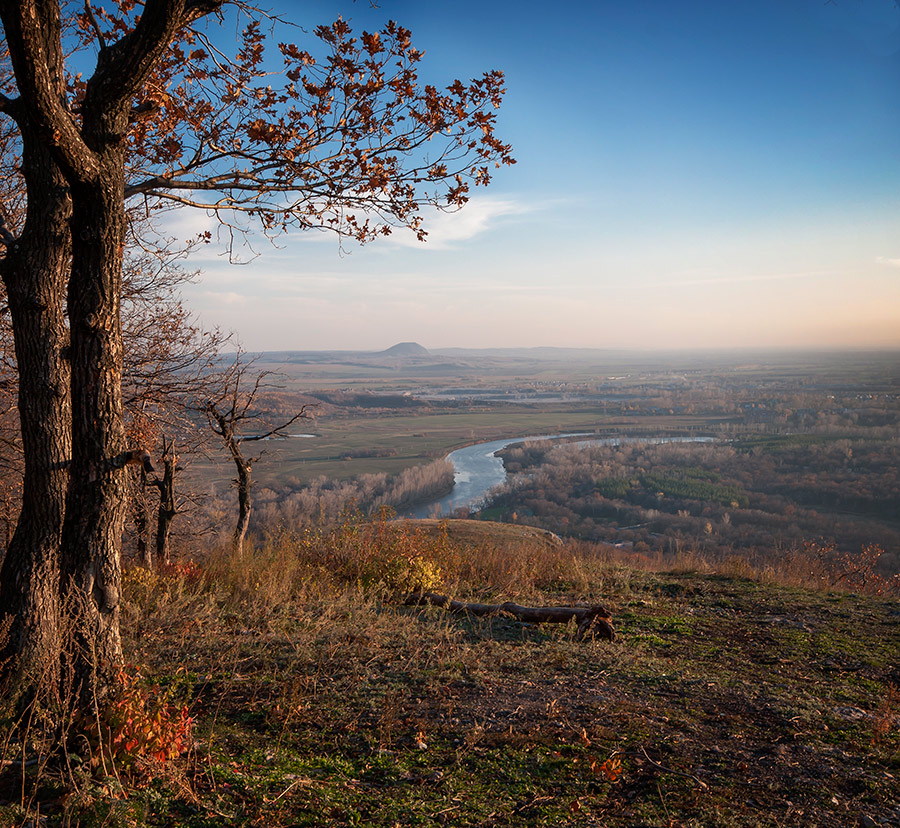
414 439
450 399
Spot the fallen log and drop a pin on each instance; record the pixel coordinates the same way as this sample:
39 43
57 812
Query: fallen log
595 618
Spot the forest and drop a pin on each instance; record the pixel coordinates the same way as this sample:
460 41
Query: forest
759 494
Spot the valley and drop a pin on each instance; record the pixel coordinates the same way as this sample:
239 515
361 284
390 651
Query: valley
806 444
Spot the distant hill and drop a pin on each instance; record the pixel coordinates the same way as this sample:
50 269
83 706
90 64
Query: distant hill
404 349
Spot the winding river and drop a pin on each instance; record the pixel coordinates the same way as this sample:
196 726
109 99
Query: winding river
477 469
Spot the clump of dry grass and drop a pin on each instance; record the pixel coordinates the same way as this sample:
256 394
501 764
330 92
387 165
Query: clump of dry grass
383 560
390 559
373 563
810 565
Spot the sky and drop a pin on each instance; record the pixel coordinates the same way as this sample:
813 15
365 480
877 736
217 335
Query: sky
690 175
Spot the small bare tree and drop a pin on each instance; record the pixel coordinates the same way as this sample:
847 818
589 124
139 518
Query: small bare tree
170 362
228 415
168 506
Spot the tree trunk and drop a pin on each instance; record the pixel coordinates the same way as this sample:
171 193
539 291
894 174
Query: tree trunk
97 495
91 155
245 502
167 510
34 272
592 619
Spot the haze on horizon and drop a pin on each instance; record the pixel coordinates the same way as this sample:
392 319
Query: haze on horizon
689 175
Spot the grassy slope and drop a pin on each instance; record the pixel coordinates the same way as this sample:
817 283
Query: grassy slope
725 702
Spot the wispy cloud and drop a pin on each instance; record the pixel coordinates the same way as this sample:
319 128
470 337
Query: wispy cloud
185 223
887 261
446 229
214 298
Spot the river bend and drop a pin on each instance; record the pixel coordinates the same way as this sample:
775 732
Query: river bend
477 469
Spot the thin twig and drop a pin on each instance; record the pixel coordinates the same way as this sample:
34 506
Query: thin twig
302 415
663 768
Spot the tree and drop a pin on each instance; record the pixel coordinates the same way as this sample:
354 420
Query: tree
228 415
168 360
169 363
167 508
34 271
350 142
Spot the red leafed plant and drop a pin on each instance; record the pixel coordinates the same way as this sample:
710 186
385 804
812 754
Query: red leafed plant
856 571
141 726
188 571
611 768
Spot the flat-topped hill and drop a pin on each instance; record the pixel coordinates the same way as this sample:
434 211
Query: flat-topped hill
405 349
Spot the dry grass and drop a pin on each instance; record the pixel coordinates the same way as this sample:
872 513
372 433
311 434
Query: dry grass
320 700
810 565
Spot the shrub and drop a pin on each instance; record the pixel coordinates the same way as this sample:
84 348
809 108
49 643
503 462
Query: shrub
139 727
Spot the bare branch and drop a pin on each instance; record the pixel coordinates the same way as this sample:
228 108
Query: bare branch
301 415
225 415
92 18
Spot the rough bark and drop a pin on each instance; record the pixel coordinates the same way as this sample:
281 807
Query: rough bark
595 618
34 272
97 495
93 161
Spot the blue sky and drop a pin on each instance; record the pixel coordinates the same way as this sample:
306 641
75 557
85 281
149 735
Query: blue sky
689 174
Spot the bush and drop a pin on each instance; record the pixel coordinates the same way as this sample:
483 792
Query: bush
139 728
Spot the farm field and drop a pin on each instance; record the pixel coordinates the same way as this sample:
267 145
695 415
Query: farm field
412 439
833 419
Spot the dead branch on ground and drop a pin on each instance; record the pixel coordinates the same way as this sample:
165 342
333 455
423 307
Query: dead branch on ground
594 619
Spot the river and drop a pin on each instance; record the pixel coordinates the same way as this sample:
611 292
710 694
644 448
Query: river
477 469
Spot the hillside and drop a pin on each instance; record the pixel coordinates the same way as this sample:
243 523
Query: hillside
320 700
405 349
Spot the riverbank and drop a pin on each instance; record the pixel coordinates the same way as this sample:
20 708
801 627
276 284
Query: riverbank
412 438
478 470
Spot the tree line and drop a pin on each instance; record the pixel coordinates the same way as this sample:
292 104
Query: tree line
753 493
324 499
